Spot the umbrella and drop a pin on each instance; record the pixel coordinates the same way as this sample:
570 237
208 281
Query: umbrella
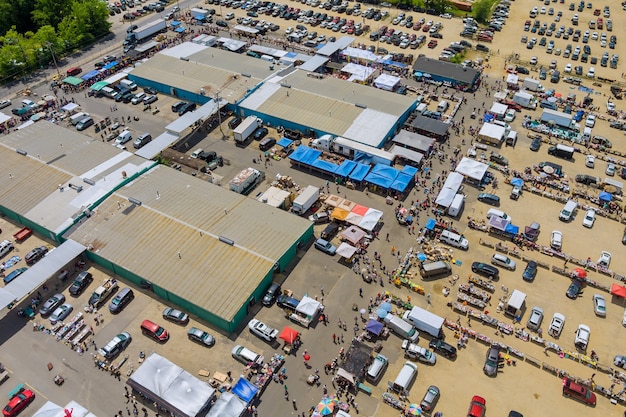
307 357
580 273
421 257
558 95
548 169
326 406
288 334
386 306
403 211
362 311
426 75
414 410
381 313
418 74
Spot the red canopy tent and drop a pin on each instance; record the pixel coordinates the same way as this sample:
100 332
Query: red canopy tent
289 335
618 291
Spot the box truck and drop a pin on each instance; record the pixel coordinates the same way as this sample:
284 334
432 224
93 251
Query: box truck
305 200
515 304
246 180
145 32
402 328
532 85
246 129
425 321
525 100
561 151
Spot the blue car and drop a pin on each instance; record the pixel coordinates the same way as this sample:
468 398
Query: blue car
14 274
530 271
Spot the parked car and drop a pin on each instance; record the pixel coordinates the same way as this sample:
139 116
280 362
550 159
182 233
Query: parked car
556 325
51 304
418 353
599 305
574 289
325 246
270 295
262 330
478 407
492 360
430 399
443 348
605 259
488 198
485 270
575 390
286 302
530 272
535 145
535 319
81 282
60 313
556 240
590 218
116 345
175 316
18 402
320 217
582 337
503 261
620 361
200 336
35 254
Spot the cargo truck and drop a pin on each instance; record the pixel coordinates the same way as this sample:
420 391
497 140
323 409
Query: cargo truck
532 85
353 150
145 32
525 100
305 200
200 14
243 132
103 292
425 321
562 151
246 180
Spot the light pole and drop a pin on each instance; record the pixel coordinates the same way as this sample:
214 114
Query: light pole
49 45
219 114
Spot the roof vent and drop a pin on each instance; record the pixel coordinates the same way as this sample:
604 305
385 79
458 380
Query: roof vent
134 201
361 106
21 152
227 241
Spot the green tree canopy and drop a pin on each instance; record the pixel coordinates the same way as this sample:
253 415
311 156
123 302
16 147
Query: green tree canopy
482 10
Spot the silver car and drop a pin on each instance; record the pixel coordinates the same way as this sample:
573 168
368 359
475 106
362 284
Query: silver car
503 261
599 305
61 313
536 317
492 360
556 325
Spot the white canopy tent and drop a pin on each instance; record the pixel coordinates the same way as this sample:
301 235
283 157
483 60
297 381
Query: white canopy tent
358 72
70 107
449 189
512 79
50 409
228 405
171 387
370 219
309 307
353 218
499 109
360 54
345 250
352 234
386 82
471 168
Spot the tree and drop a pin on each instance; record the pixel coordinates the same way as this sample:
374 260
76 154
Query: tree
439 5
482 10
51 12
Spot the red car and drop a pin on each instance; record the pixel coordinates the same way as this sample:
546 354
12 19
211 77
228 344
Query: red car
477 407
19 402
432 44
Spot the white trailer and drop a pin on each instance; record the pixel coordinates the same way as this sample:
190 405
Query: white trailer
425 321
305 200
246 180
246 129
515 304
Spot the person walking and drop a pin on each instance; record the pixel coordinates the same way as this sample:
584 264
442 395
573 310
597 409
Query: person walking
334 338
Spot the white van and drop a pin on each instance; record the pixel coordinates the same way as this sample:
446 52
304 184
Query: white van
6 246
377 368
442 106
453 239
197 153
457 205
128 84
75 118
405 378
123 137
402 328
568 211
498 213
586 137
429 269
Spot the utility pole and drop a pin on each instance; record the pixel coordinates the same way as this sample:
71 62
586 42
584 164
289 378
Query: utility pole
219 114
49 45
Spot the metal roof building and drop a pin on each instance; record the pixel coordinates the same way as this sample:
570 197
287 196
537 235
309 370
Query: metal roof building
54 175
204 248
329 106
197 72
466 78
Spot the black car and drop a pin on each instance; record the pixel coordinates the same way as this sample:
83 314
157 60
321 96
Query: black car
522 70
530 272
81 282
443 348
535 145
186 108
36 254
286 302
481 47
270 296
233 123
221 23
149 90
260 133
574 289
586 179
177 106
486 270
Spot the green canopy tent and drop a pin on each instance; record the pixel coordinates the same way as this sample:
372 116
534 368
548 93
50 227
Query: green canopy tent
99 85
73 80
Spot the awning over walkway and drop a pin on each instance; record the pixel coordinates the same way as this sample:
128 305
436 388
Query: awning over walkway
73 80
49 266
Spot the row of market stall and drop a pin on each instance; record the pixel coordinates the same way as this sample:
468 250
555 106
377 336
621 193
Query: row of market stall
379 176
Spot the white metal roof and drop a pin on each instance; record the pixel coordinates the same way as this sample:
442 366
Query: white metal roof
314 63
187 120
371 127
332 47
152 149
185 49
492 130
406 153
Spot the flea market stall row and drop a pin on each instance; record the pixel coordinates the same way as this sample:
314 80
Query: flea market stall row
378 178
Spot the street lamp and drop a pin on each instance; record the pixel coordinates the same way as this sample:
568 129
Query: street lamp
219 114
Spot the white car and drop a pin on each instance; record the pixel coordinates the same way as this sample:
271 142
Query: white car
605 259
138 98
556 240
590 161
509 116
288 30
262 330
599 305
610 169
556 325
229 16
591 119
503 261
582 337
535 319
590 218
415 352
567 69
591 72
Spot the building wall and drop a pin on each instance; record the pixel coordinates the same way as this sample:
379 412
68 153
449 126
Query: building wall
18 218
196 97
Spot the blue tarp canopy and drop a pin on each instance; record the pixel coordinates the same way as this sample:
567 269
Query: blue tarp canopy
385 171
359 172
174 23
245 390
284 142
305 155
579 115
180 29
345 168
402 182
325 166
517 182
604 196
488 117
374 327
430 224
379 180
410 170
90 75
110 65
512 229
